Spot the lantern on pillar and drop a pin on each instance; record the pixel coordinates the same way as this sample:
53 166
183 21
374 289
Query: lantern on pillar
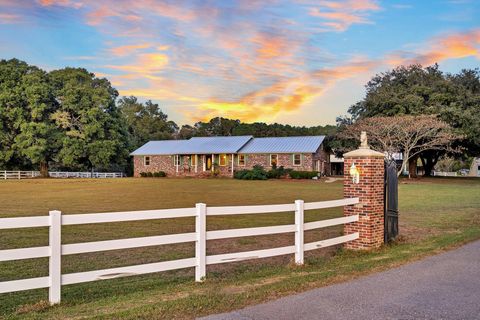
354 174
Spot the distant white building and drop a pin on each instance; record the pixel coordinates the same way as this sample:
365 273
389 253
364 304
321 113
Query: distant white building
475 168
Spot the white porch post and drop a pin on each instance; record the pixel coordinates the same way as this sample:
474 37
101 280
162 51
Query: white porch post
196 162
176 163
204 165
233 161
213 161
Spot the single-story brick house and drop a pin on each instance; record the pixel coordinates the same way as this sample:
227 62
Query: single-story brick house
203 155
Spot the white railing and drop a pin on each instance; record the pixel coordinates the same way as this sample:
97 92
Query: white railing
57 174
4 174
55 249
444 174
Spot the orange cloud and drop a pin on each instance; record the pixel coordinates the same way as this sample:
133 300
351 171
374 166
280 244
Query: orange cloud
452 46
341 15
62 3
133 11
146 65
128 49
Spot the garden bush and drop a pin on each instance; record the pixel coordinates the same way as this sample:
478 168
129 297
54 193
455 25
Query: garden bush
149 174
303 174
159 174
257 173
143 174
277 173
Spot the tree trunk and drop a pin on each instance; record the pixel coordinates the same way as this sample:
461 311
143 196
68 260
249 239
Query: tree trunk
412 167
44 169
429 160
404 163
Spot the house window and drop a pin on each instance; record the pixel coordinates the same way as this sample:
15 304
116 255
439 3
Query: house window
297 159
146 160
241 160
176 160
193 160
273 160
223 159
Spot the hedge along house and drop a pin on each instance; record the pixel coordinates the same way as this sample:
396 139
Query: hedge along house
224 155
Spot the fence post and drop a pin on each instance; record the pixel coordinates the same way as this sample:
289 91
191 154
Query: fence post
5 174
201 243
55 272
299 242
18 175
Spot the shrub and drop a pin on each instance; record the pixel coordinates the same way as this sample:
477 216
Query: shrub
303 174
277 173
149 174
257 173
240 174
143 174
159 174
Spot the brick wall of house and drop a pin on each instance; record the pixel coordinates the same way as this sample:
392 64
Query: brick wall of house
283 159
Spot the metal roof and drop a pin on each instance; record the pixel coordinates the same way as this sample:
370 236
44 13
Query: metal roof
159 147
196 145
206 145
304 144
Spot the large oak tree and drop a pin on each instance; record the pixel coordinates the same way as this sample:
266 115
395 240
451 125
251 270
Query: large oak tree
413 90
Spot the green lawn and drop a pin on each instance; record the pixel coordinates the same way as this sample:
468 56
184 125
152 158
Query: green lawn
436 214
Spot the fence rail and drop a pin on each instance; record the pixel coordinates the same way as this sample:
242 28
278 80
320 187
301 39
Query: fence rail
4 174
55 249
444 174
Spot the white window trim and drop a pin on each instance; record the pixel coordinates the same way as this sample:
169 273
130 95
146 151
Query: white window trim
271 159
145 161
300 164
244 160
220 160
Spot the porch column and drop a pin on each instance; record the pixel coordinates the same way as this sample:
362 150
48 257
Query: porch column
196 162
233 161
213 161
176 163
204 165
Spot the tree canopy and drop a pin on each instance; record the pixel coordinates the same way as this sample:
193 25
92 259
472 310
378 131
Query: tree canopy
414 90
71 119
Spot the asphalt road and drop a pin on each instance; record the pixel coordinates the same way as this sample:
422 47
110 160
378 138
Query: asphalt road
445 286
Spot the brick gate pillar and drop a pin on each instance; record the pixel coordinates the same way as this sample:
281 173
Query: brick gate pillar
369 188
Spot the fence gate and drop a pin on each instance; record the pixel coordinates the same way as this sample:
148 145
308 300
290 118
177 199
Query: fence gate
391 201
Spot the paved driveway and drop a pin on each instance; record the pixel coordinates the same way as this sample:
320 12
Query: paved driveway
446 286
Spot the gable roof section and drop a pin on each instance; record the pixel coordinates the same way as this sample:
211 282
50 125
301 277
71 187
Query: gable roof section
206 145
195 145
304 144
159 147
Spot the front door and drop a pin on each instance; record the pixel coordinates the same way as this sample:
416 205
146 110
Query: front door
208 162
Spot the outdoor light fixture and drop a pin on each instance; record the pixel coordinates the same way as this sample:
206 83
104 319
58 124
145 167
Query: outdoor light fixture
354 174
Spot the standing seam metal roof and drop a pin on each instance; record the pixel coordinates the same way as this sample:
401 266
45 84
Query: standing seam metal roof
303 144
195 145
233 144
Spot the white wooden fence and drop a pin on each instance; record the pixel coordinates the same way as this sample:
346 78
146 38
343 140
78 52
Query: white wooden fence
18 174
55 249
444 174
58 174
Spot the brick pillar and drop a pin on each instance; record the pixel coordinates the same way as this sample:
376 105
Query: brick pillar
369 190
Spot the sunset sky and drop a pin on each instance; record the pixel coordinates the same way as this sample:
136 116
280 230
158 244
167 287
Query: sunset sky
301 62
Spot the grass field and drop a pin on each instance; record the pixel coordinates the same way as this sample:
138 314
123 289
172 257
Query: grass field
436 214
